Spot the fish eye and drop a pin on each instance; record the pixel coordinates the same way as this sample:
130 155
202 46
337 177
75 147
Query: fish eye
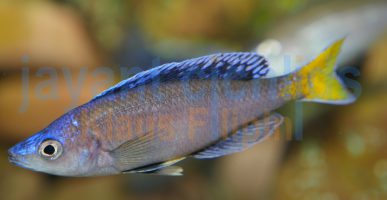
50 149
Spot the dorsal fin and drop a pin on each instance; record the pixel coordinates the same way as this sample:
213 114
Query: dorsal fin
232 66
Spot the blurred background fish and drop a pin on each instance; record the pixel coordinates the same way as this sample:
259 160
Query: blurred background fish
75 49
362 22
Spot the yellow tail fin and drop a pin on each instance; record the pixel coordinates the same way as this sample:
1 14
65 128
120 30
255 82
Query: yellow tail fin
324 85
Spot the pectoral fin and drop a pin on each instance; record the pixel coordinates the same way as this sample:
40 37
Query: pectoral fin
244 138
133 152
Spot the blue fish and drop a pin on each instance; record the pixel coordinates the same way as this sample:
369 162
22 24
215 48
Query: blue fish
203 108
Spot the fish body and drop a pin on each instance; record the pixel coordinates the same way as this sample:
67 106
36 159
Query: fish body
205 107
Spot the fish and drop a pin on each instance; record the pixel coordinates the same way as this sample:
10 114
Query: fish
201 108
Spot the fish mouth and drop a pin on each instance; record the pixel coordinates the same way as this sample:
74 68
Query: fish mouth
15 160
12 158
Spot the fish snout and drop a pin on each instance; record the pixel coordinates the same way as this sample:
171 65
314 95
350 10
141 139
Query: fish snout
15 158
12 156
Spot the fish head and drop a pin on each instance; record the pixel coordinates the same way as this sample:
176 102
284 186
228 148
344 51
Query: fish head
59 149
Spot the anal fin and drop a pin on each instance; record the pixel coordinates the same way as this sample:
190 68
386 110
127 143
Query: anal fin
244 138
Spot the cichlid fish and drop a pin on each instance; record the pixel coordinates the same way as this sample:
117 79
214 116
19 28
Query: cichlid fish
203 108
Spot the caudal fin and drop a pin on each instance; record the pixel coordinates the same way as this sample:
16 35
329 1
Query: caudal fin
324 85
